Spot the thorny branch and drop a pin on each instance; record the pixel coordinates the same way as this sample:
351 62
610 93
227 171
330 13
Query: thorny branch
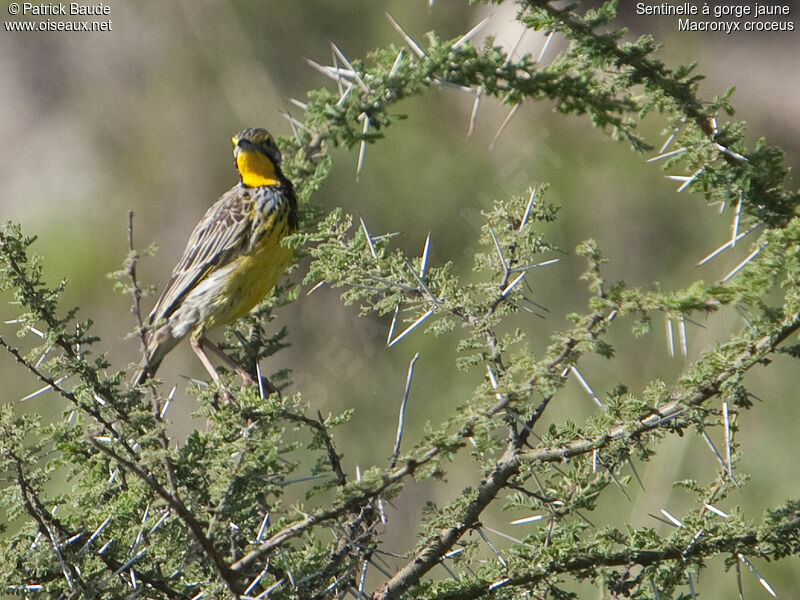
56 533
36 300
45 520
323 516
580 561
91 410
319 428
136 291
508 464
645 67
356 511
141 330
195 527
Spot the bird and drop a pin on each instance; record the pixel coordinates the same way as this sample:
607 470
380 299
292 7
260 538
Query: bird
232 260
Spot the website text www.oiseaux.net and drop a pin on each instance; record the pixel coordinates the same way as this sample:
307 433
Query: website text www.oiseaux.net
58 9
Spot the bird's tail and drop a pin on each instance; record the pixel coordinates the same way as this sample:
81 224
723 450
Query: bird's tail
147 369
157 349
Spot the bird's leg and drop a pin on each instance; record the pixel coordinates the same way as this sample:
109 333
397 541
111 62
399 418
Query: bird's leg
197 346
247 378
232 364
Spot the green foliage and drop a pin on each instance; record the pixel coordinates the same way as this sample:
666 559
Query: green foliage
148 516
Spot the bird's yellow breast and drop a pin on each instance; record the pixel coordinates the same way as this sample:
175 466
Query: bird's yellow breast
256 169
252 275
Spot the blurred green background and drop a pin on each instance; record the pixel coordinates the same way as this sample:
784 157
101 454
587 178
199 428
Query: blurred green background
139 118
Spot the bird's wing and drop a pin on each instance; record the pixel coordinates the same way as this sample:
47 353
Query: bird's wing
215 240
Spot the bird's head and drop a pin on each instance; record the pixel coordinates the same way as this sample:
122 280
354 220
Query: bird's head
257 157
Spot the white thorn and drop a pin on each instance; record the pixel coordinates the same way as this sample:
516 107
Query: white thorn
423 261
401 418
512 285
758 575
525 520
525 216
682 331
691 586
94 536
317 285
41 391
505 535
731 153
294 123
471 33
736 218
727 421
492 378
462 88
369 239
547 39
510 55
336 66
473 116
347 64
344 95
499 583
362 150
673 519
411 328
165 408
499 249
544 263
393 324
397 62
257 579
263 527
666 155
260 381
411 43
687 181
492 547
656 594
160 521
719 457
717 511
42 357
670 338
725 246
586 387
363 580
511 113
742 264
381 511
334 73
493 382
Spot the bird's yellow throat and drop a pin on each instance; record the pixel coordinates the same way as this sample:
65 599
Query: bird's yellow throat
256 169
